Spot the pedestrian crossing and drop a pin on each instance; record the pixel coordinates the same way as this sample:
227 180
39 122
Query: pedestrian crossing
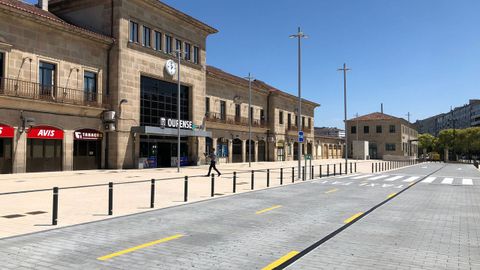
409 179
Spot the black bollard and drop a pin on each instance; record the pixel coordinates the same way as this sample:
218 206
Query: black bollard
185 189
152 194
234 187
293 174
281 176
110 198
212 187
252 182
268 177
55 206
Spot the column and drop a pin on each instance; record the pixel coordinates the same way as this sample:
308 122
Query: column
19 152
68 150
244 151
255 148
230 151
214 144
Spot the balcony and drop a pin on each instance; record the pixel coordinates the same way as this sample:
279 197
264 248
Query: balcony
234 120
294 128
55 94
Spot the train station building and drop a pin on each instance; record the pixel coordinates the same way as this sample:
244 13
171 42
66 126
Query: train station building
91 85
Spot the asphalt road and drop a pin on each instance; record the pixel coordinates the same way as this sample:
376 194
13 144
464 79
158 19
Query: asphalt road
435 218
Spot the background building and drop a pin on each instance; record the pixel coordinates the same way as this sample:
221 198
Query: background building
330 132
461 117
387 136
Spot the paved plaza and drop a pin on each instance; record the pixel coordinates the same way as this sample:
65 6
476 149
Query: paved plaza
426 224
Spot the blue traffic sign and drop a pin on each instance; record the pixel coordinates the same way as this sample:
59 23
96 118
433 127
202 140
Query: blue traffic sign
300 136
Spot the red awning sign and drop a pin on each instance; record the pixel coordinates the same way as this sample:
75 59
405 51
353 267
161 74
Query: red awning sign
45 132
6 131
88 135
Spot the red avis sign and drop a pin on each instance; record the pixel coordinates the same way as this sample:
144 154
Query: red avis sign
6 131
45 132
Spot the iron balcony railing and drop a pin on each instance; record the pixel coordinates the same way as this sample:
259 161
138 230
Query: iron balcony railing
234 120
51 93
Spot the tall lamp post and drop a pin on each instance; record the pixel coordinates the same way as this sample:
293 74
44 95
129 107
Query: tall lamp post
179 57
345 69
299 35
250 117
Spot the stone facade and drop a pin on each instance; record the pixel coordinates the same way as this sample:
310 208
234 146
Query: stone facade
387 135
95 37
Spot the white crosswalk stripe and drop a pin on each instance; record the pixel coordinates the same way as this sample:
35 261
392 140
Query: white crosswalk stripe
467 182
429 179
362 176
394 178
411 179
349 175
378 177
447 181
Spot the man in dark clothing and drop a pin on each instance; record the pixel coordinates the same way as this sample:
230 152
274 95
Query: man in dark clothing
213 161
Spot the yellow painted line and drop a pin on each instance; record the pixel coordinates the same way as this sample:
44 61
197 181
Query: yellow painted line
128 250
281 260
391 195
352 218
332 190
267 209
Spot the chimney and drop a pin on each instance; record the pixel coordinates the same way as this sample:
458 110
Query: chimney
381 107
43 4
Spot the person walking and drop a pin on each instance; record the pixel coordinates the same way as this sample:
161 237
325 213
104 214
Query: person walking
213 161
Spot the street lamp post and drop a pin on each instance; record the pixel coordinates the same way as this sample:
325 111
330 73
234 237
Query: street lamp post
250 117
179 56
345 69
299 35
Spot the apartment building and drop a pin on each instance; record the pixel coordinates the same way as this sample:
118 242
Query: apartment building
387 136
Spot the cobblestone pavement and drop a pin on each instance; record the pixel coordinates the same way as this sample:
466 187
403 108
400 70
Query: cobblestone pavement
252 230
434 225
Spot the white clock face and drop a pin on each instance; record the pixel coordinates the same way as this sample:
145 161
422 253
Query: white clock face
171 67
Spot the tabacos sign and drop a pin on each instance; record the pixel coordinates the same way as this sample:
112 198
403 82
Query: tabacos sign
88 135
173 123
45 132
6 131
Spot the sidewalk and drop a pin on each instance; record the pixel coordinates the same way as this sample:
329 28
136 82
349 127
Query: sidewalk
30 212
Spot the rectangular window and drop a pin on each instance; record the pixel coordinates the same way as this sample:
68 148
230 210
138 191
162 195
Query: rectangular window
366 129
392 128
289 120
147 33
168 44
353 129
309 122
196 55
188 51
133 32
223 110
303 122
280 118
390 147
238 112
178 45
158 99
2 57
207 105
296 120
158 41
46 73
90 86
262 115
251 115
379 129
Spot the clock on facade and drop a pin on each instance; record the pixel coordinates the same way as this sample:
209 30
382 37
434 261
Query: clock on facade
171 67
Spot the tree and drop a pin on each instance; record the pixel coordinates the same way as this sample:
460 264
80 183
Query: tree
427 142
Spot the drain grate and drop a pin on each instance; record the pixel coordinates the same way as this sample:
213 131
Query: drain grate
13 216
36 213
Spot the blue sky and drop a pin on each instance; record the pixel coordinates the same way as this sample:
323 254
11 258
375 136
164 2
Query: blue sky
417 56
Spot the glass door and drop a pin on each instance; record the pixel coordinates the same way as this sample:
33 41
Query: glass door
47 80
